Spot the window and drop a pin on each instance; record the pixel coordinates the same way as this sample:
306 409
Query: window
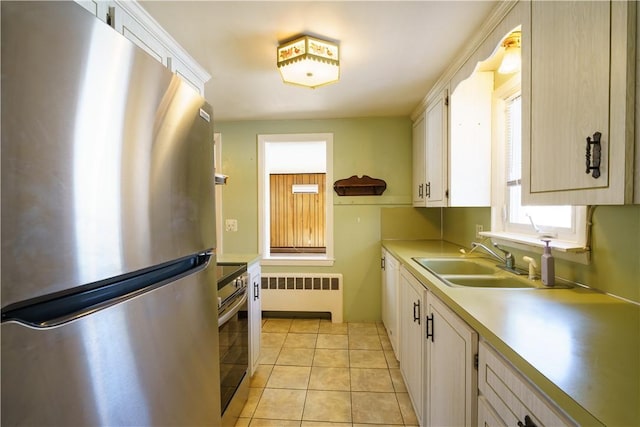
297 213
295 199
559 223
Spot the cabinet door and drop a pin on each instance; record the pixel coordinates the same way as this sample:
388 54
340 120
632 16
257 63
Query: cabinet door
512 396
255 315
99 9
411 354
182 70
487 417
128 26
470 141
436 151
574 89
419 141
390 299
450 378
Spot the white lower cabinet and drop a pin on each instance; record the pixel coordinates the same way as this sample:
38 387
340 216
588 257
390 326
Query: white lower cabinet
487 417
456 379
390 299
412 338
450 378
508 398
437 351
254 303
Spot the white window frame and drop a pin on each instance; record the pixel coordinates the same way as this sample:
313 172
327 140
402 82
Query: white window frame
321 259
524 236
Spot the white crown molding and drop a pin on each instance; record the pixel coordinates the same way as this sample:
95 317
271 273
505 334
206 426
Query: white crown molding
134 9
495 17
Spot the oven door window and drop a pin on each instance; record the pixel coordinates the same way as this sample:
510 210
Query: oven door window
234 353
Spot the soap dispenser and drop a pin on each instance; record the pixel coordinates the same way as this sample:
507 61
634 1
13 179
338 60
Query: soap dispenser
547 269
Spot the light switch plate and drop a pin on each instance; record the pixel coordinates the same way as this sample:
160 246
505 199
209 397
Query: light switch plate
231 225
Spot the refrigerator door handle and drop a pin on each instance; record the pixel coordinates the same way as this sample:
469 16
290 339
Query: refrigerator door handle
54 310
232 311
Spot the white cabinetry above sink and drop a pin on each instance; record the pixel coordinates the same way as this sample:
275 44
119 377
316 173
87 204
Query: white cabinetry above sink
578 81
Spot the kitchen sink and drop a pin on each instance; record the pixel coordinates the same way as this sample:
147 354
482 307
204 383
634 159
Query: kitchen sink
479 273
442 266
490 282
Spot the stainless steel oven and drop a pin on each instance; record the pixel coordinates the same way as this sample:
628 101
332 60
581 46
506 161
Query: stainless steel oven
233 329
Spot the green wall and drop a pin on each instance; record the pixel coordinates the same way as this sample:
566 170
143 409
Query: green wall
381 148
378 147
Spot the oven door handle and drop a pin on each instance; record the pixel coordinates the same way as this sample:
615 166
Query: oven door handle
232 311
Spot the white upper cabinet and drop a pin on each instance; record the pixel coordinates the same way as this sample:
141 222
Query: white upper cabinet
577 82
127 25
419 142
455 116
470 141
97 8
430 136
436 150
133 22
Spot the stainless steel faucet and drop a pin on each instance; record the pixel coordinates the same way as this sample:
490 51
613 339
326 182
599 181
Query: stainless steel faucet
508 259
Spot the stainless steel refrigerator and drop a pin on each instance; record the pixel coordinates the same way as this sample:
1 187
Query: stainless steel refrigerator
109 305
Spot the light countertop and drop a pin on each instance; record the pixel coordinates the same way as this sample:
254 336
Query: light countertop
579 346
238 258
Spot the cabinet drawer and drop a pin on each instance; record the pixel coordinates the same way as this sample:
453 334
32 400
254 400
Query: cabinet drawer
511 395
487 417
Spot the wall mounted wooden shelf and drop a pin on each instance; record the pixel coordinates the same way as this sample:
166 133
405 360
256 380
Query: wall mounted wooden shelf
356 186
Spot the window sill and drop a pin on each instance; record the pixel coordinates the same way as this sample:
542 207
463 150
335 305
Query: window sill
571 251
306 260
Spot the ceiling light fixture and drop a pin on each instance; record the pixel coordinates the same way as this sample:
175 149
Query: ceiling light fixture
309 61
511 59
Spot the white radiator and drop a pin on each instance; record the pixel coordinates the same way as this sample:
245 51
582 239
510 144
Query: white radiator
303 292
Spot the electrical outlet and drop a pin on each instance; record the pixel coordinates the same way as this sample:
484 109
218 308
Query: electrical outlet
231 225
478 230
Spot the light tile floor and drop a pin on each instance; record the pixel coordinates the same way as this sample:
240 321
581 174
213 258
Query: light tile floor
316 373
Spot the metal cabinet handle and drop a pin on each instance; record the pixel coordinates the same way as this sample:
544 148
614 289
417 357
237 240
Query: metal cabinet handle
416 314
593 165
420 191
430 330
256 291
428 189
528 422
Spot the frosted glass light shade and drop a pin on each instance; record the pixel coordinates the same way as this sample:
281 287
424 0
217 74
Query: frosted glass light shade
510 61
308 61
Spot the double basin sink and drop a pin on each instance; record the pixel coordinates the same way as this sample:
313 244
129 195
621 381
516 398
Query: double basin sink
478 273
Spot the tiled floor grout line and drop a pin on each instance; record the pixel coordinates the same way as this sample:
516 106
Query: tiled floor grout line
384 349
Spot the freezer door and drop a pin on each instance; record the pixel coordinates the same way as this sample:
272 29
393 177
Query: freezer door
107 157
149 361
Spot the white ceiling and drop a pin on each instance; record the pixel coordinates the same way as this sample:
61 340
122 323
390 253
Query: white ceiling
392 52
